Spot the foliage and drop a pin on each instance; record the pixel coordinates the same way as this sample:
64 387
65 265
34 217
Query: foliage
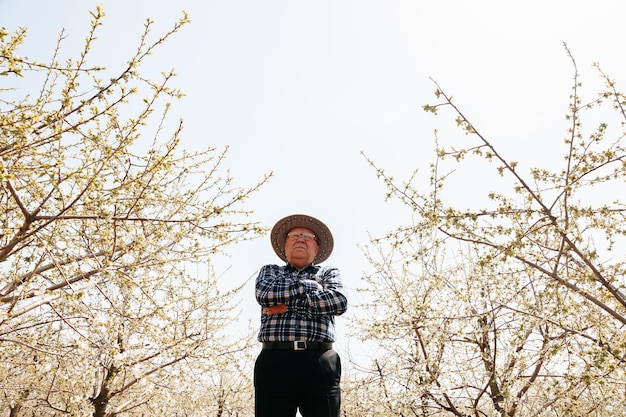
107 304
517 307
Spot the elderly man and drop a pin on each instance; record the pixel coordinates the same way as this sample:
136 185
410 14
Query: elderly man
298 368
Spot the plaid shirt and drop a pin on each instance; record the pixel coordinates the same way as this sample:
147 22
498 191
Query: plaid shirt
310 311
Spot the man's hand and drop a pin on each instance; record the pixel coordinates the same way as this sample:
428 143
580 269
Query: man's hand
277 309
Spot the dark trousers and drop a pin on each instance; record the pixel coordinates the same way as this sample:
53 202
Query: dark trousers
285 380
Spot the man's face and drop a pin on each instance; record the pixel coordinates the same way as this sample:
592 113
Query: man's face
301 247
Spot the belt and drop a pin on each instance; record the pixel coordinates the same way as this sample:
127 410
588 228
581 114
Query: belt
298 345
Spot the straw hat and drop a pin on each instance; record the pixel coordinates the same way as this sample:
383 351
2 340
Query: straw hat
321 231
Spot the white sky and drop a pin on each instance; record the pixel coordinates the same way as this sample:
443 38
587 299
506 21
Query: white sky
301 87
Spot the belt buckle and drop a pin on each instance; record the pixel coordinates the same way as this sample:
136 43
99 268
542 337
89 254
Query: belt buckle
299 345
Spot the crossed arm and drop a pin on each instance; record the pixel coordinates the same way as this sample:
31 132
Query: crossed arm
282 308
278 295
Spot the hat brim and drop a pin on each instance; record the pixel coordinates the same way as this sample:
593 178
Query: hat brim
321 231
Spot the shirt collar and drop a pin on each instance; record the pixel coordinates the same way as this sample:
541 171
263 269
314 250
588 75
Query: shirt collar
293 268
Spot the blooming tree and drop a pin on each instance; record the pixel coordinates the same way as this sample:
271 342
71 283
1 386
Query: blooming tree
515 303
108 303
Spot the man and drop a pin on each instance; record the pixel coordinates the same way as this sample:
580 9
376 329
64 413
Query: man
298 368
